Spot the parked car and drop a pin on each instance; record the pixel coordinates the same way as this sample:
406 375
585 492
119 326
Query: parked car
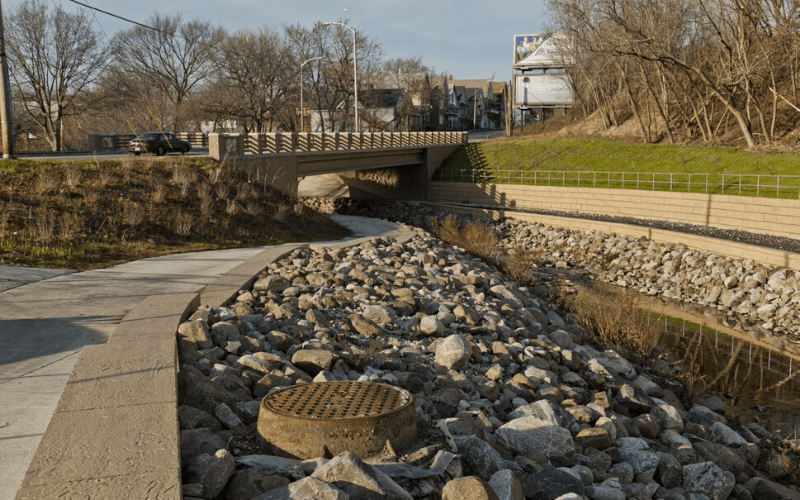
158 143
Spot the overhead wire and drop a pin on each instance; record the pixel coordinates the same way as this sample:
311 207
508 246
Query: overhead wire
95 19
120 17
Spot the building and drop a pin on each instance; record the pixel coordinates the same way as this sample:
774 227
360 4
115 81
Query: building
542 85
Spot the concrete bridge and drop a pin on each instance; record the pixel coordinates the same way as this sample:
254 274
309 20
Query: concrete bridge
391 165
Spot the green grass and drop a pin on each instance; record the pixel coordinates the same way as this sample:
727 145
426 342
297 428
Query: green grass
607 163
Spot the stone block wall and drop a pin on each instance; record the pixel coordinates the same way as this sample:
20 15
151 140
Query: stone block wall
760 215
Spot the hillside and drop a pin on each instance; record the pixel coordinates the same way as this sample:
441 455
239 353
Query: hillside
83 215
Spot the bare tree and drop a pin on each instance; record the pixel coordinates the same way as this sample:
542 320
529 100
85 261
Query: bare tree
703 68
174 58
55 57
332 88
260 69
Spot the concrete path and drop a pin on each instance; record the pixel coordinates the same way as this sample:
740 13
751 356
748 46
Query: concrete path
48 316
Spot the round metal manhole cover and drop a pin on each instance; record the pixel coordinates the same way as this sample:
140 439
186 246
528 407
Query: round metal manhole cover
326 418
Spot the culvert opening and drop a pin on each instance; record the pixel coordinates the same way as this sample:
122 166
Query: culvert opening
312 420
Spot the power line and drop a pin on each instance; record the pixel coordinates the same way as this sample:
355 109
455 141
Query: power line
96 20
120 17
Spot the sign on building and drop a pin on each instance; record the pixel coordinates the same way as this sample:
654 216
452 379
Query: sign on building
543 49
543 89
525 45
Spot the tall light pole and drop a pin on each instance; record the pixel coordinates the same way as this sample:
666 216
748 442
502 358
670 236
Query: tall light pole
6 123
355 71
302 110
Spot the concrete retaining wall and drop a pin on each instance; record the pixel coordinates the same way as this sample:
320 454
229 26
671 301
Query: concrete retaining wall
760 215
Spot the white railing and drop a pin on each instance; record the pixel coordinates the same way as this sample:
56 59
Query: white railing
773 186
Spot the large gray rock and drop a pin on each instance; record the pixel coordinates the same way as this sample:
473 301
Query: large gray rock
430 325
307 488
667 416
359 480
707 479
364 326
530 435
722 434
197 390
313 361
380 314
246 484
453 352
506 485
468 488
195 442
212 471
478 456
555 483
547 410
271 283
192 418
196 332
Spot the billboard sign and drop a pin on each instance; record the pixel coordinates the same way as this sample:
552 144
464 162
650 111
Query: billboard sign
525 45
543 90
540 50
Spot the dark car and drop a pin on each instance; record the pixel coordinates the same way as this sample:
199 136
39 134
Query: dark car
158 143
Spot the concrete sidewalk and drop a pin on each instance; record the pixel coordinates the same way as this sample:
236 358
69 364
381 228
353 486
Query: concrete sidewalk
46 321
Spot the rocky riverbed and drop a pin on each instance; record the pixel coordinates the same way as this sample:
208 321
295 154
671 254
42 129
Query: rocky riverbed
513 398
759 300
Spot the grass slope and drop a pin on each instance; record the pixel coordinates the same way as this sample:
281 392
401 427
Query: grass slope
596 162
83 215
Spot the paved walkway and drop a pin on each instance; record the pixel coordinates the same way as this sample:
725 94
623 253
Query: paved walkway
48 316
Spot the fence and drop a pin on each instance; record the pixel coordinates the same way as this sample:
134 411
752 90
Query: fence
110 142
227 145
274 143
772 186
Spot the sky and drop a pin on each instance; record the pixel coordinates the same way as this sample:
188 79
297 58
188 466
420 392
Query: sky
468 39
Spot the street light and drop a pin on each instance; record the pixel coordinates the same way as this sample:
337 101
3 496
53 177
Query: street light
302 110
355 72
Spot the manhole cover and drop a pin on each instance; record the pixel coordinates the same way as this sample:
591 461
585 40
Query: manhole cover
303 421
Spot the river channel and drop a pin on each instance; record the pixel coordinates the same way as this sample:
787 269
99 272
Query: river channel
757 382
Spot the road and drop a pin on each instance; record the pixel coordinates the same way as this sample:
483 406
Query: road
484 135
102 155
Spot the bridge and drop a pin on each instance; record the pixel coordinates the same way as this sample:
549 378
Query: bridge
397 164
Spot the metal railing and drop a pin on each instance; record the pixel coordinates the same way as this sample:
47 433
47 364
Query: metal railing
101 142
772 186
274 143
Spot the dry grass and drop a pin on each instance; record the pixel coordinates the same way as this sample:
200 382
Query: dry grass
476 237
46 182
253 208
204 190
104 177
617 318
133 214
207 206
282 211
129 209
222 191
158 192
73 176
44 225
70 226
183 223
232 208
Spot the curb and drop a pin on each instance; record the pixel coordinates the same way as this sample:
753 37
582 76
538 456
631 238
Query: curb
115 432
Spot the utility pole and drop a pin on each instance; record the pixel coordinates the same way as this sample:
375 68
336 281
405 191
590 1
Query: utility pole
7 128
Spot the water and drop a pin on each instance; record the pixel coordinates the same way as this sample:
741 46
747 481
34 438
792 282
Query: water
756 383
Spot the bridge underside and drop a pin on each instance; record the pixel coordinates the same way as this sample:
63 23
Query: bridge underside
399 173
